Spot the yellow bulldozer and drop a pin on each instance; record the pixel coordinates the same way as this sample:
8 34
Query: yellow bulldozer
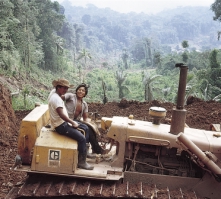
145 159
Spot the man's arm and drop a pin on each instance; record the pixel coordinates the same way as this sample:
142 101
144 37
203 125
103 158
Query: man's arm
65 118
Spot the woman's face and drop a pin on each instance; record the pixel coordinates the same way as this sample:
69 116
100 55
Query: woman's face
81 92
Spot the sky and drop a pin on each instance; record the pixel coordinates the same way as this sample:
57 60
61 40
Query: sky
146 6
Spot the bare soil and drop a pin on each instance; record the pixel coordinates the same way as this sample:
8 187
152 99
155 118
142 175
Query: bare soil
200 114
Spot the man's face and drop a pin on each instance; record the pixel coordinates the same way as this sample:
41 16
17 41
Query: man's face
81 92
62 90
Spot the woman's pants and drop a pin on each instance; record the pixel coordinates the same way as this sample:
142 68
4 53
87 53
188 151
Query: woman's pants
90 137
85 128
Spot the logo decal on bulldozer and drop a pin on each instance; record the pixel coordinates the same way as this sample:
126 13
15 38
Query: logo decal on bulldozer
54 158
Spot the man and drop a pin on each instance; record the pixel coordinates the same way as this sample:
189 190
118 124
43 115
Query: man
63 124
77 108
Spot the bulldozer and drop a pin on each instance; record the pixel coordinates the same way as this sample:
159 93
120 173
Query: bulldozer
145 159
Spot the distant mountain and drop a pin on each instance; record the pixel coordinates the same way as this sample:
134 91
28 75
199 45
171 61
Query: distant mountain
105 30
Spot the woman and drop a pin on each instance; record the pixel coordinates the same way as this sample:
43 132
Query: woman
77 108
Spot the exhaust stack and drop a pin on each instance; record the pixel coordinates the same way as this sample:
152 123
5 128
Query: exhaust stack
179 113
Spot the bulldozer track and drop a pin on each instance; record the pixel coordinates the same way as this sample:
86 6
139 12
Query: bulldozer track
37 186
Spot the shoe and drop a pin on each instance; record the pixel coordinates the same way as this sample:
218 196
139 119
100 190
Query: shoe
82 162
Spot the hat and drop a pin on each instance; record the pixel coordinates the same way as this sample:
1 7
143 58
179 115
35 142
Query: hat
61 82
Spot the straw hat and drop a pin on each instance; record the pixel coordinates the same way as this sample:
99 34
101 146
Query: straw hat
61 82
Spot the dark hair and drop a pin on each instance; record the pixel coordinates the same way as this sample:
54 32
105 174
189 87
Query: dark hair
83 85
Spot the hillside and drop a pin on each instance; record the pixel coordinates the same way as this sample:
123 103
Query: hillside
101 46
105 30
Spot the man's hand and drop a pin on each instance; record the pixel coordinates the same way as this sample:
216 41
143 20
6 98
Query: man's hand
66 118
74 124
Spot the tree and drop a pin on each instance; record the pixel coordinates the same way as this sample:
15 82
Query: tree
148 81
148 52
125 58
25 92
120 77
196 84
105 99
50 21
119 32
86 19
68 33
185 28
185 44
137 51
9 55
78 33
215 72
166 91
199 85
157 60
213 59
185 56
6 23
25 34
72 33
216 7
84 54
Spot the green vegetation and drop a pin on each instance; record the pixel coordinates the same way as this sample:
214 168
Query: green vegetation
107 51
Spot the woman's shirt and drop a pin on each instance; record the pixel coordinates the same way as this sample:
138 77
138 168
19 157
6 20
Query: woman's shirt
71 105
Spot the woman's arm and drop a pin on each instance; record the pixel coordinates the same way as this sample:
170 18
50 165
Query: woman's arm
67 96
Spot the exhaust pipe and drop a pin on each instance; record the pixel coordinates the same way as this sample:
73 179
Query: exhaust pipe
179 113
